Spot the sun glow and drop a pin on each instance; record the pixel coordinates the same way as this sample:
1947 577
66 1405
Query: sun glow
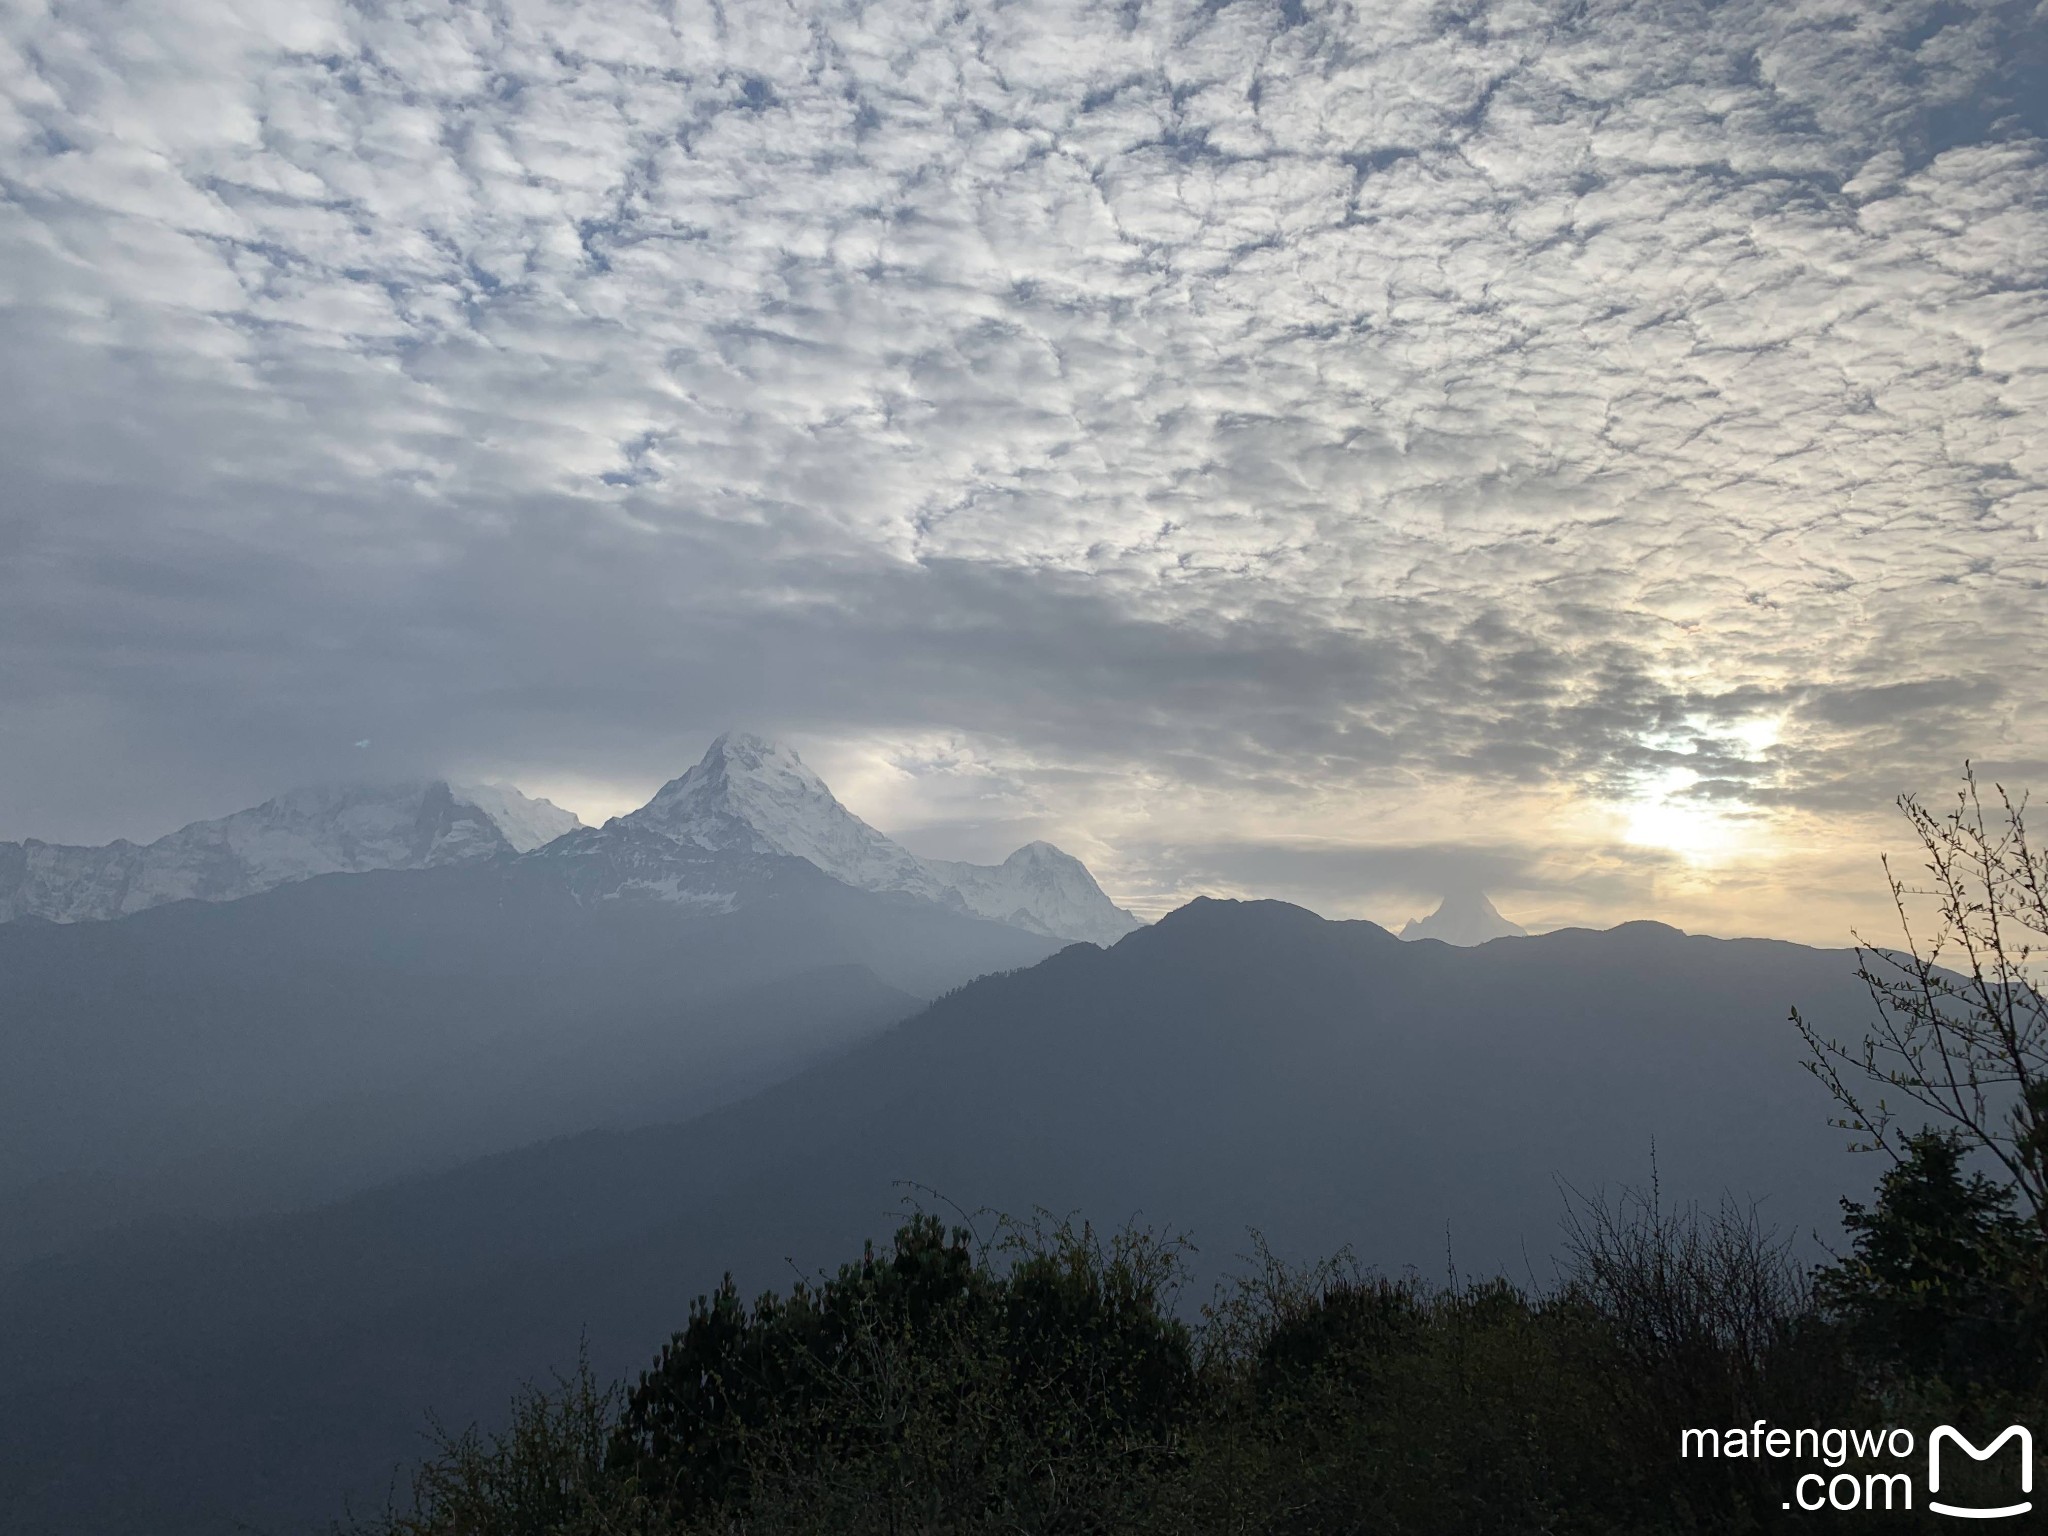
1664 811
1663 816
1759 733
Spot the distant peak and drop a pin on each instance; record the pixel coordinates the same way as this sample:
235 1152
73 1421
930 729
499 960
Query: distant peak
1649 928
744 755
1469 901
319 829
753 793
1204 910
1465 918
746 747
1041 853
731 763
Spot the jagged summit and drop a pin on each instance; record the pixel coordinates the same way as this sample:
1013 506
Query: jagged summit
318 830
750 795
1465 918
739 771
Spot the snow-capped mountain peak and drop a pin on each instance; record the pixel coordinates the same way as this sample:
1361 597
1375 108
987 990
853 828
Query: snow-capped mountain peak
1042 888
744 776
750 793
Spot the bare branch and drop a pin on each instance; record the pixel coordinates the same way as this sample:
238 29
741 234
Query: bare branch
1960 1032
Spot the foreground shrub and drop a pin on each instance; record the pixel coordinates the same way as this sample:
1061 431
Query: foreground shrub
543 1475
1943 1280
1046 1382
1032 1383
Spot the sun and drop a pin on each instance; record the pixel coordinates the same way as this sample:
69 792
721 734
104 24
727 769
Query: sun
1662 815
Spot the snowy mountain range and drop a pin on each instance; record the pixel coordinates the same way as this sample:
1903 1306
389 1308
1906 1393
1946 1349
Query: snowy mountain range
1464 919
704 836
709 839
307 832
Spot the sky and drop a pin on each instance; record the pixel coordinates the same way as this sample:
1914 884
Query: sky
1596 452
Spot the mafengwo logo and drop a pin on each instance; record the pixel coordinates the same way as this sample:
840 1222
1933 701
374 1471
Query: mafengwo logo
1945 1436
1863 1489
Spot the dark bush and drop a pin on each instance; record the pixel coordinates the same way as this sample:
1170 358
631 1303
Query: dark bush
1943 1280
942 1385
1046 1383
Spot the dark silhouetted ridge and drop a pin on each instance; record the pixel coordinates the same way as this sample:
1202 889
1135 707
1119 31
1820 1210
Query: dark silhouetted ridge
1236 1065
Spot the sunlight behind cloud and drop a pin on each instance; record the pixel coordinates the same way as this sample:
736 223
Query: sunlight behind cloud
1759 733
1662 816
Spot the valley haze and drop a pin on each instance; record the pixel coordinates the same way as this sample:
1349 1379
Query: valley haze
381 1073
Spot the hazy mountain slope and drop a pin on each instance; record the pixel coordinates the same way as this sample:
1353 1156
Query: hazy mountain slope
331 1031
319 831
1233 1065
639 1067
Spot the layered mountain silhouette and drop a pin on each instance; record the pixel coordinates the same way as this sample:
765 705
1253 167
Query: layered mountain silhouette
1234 1065
411 988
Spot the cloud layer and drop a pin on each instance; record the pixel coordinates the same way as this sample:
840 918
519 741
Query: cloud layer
1601 443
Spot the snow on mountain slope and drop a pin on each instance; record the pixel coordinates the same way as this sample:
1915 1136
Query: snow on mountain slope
758 796
1465 919
306 832
752 798
524 823
1040 888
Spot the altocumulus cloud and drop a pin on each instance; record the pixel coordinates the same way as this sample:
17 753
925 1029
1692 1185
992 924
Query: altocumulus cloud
1240 426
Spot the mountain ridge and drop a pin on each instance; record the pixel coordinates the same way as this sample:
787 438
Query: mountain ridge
302 833
705 840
